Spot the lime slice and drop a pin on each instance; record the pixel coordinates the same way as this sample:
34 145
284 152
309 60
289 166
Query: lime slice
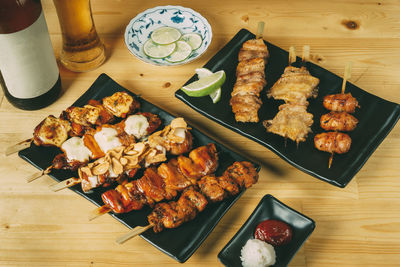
165 35
216 95
181 53
154 50
205 85
193 39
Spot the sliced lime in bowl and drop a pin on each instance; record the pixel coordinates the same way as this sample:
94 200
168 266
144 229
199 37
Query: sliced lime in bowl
182 52
193 39
154 50
165 35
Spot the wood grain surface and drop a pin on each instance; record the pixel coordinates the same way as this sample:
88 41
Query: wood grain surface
355 226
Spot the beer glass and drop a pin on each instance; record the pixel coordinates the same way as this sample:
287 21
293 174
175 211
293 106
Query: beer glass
82 48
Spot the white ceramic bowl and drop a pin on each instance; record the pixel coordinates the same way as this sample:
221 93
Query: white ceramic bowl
185 19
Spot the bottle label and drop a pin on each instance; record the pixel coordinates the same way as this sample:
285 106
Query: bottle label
27 61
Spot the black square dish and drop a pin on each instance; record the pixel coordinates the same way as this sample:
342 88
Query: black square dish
269 208
376 116
179 243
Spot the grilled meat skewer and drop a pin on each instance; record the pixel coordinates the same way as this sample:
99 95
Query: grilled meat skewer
338 121
341 102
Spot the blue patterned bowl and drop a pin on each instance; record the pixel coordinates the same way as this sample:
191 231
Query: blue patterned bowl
185 19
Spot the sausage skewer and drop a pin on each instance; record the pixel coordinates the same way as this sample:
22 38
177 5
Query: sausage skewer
174 138
338 120
195 199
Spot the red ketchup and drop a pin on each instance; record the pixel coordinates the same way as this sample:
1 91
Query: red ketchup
273 232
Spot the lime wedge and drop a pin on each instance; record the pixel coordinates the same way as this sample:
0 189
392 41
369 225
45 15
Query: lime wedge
193 39
216 95
181 53
203 72
165 35
206 85
154 50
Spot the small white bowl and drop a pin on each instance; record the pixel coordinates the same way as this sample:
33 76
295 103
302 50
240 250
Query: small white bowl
185 19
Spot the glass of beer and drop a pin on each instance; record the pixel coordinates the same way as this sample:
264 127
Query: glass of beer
82 48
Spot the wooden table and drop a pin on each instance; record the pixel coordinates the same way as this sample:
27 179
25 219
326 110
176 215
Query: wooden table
356 226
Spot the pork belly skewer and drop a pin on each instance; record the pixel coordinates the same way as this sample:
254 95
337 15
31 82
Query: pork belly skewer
295 86
74 121
250 79
162 183
194 199
125 161
77 151
338 120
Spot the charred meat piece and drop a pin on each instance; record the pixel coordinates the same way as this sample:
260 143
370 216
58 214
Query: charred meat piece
51 131
121 104
333 142
341 102
338 121
243 173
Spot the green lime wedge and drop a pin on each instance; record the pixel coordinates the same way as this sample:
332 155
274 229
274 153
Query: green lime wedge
193 39
216 95
181 53
203 72
165 35
206 85
154 50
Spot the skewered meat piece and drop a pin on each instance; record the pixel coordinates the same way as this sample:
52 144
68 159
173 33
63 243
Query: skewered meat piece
295 86
120 104
129 159
338 121
292 121
250 80
51 131
341 102
169 179
333 142
172 214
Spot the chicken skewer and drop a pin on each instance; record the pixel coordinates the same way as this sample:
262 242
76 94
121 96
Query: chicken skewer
174 138
295 86
250 79
77 151
74 121
337 120
194 200
161 184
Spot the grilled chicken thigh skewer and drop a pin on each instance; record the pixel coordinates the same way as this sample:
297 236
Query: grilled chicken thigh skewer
74 121
250 80
77 151
194 199
162 183
125 160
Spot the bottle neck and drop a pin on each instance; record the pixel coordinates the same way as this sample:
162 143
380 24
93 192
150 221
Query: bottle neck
16 15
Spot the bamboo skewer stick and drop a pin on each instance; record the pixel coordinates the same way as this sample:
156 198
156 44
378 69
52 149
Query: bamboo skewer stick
260 30
347 75
306 54
65 184
17 147
98 212
131 234
292 55
37 175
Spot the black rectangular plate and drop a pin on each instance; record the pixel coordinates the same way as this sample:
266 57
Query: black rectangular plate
179 243
376 116
269 208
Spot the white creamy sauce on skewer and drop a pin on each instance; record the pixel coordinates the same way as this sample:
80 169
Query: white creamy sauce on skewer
107 139
180 132
75 149
136 125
